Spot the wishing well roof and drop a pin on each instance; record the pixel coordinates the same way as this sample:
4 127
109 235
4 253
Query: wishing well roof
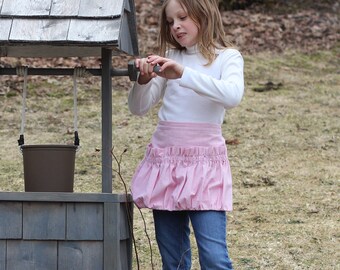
60 28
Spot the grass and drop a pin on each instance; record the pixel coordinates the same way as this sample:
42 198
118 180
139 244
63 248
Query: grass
285 161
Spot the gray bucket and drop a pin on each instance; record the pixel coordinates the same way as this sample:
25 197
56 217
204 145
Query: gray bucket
49 168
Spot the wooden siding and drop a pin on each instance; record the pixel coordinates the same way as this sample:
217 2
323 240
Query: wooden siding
63 231
46 222
31 255
80 255
11 220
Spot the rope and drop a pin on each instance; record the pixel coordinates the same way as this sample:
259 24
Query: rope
23 71
79 72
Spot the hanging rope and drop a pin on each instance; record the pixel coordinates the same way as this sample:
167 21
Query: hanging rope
23 71
79 72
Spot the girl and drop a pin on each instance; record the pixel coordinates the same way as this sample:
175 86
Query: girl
185 174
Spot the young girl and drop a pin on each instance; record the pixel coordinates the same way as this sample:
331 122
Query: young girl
185 174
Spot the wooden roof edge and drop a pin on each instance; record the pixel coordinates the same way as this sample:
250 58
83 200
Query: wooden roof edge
60 43
60 17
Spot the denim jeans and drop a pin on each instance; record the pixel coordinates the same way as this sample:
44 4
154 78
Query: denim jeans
172 235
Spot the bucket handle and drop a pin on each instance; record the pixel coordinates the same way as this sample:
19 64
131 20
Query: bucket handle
23 71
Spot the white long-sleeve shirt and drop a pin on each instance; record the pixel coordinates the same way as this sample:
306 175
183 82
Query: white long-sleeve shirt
201 95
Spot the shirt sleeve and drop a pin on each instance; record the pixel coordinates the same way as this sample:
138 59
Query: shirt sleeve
228 90
142 97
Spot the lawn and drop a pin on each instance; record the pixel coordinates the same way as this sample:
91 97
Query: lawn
283 144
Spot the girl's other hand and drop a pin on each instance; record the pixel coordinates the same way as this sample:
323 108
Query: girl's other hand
169 69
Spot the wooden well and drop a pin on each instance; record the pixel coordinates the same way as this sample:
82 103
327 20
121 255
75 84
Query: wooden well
55 230
66 231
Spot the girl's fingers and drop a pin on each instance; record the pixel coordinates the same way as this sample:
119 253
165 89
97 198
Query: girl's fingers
151 58
137 63
155 59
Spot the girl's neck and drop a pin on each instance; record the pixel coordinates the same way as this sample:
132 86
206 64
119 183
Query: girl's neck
192 49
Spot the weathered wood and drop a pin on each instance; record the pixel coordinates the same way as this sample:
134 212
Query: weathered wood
44 221
94 238
5 29
95 31
63 197
125 28
124 222
31 255
85 255
84 221
35 49
57 23
126 235
106 100
112 257
10 220
65 8
100 8
2 252
19 7
124 254
44 30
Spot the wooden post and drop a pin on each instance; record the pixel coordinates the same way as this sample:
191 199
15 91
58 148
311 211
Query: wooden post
106 121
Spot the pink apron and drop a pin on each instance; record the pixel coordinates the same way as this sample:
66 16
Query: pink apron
185 168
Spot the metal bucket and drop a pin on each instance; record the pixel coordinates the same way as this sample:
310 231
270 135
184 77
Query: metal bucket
49 168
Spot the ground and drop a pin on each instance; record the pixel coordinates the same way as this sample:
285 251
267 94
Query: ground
283 139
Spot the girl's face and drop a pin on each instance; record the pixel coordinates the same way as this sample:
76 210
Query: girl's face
182 27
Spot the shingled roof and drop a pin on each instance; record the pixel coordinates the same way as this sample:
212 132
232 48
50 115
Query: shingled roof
61 28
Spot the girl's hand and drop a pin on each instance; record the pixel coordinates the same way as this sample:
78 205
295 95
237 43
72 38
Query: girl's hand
169 69
145 69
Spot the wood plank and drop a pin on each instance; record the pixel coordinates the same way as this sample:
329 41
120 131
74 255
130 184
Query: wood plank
126 221
84 221
39 30
2 254
63 197
22 8
101 8
125 211
84 255
124 257
5 29
11 220
112 258
94 31
39 50
127 5
32 255
65 8
44 221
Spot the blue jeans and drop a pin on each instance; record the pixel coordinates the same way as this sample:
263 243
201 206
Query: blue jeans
172 235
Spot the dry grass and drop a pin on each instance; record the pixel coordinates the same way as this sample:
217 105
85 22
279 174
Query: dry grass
285 166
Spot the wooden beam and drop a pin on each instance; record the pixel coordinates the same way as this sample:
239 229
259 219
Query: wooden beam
106 121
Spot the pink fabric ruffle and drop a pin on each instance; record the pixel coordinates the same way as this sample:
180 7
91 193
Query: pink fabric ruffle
185 176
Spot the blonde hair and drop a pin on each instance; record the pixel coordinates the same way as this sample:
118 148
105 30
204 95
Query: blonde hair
207 17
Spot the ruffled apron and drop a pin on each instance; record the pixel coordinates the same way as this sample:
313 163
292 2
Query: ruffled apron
185 168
